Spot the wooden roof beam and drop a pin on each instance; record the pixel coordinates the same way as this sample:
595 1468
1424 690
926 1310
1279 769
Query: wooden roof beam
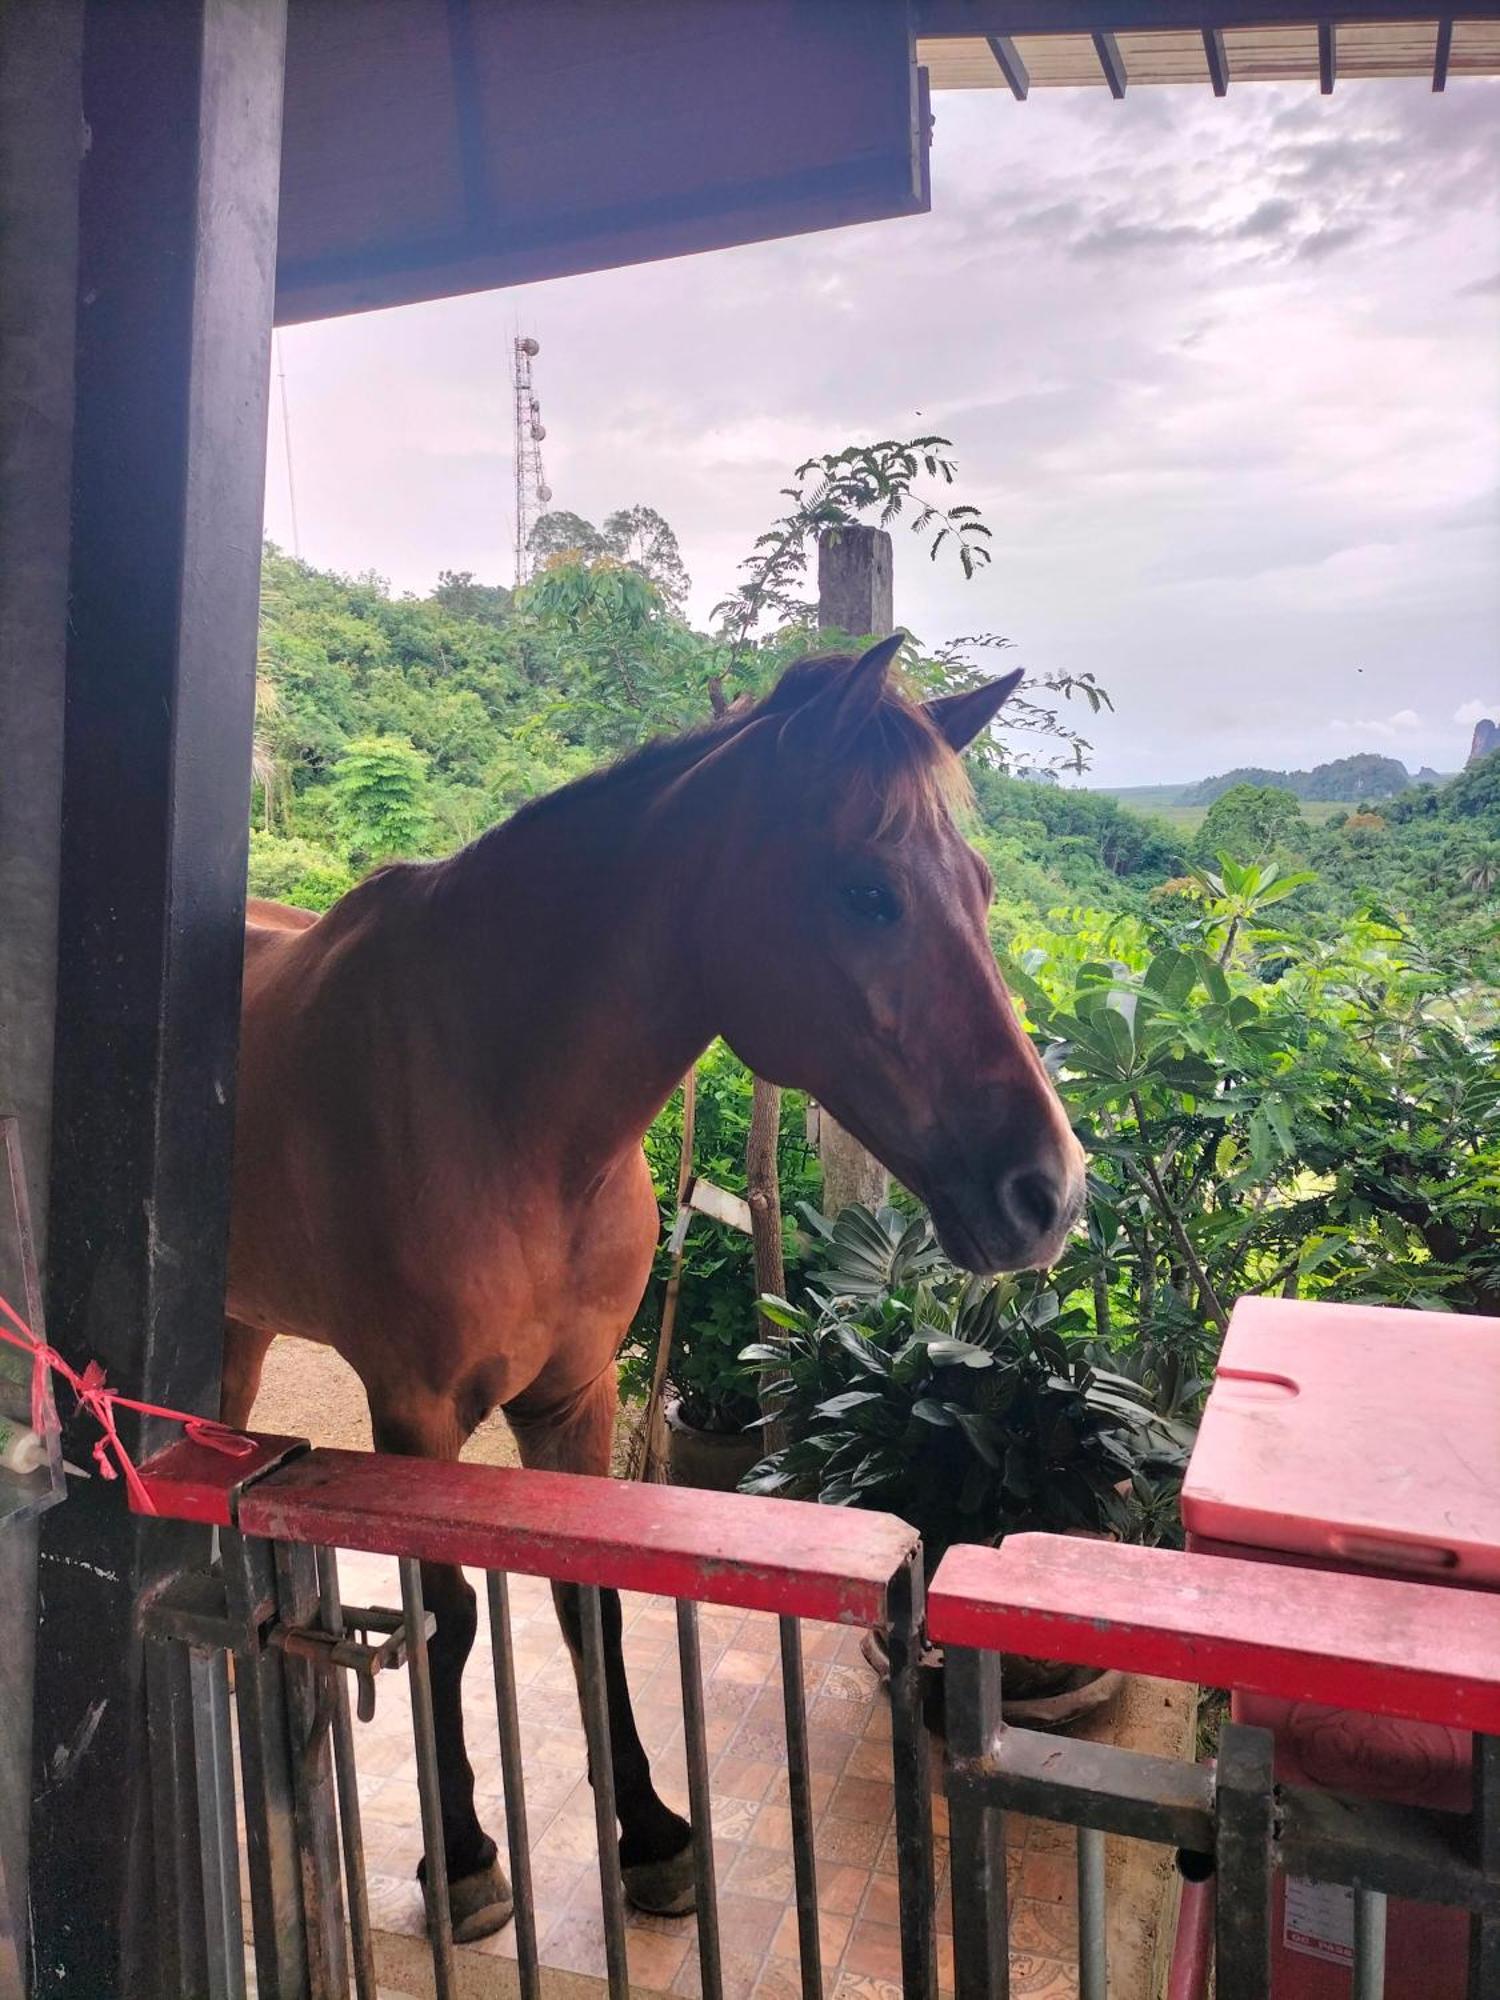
1111 62
971 18
1218 60
1441 55
1011 67
1328 57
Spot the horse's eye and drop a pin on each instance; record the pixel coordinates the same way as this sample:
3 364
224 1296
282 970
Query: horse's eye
872 903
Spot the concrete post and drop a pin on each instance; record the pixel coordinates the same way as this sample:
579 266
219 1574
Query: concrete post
854 596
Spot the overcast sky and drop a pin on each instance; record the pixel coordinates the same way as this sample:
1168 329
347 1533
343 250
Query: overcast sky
1224 378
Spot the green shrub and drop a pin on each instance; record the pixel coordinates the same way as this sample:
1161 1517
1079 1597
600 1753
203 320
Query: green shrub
285 869
971 1407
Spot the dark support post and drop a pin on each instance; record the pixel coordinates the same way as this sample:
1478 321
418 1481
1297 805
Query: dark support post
981 1918
39 118
1217 57
855 596
1246 1802
177 222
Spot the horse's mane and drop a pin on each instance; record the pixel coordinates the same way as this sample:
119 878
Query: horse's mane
898 772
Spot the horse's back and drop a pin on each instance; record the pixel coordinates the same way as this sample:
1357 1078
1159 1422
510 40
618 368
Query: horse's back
263 915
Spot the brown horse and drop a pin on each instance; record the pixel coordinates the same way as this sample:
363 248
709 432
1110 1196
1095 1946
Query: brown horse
444 1083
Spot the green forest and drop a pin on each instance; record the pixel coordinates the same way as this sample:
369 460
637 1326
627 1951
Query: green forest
1278 1038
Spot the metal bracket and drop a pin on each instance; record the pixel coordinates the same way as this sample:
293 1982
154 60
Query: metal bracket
364 1660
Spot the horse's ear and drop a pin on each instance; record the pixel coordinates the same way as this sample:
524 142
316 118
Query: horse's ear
845 703
959 718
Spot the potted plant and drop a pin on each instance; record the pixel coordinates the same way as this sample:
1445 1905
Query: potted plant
711 1407
711 1411
961 1404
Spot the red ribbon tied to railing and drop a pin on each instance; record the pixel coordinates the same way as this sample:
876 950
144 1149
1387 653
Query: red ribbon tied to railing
92 1393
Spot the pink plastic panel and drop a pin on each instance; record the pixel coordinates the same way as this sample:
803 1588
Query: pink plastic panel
1360 1434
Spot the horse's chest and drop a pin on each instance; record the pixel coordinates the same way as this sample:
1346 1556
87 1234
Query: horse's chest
572 1272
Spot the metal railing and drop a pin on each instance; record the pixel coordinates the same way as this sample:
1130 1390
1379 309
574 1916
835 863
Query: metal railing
272 1606
1377 1646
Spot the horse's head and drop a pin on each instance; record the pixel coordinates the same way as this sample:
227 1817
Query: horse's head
849 955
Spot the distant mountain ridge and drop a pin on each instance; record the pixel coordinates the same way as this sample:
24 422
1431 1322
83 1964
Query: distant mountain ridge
1364 776
1486 739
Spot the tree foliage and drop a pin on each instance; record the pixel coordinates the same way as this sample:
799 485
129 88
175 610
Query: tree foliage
1278 1040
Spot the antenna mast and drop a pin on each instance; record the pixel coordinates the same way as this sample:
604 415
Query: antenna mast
533 494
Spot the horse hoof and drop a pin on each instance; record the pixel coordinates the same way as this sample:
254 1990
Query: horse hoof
480 1904
663 1888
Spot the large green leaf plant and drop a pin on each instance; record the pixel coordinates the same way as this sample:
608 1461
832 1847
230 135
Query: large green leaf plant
969 1406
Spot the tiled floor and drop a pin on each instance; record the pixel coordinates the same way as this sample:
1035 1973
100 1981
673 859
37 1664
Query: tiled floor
849 1737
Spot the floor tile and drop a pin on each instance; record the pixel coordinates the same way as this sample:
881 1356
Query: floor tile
849 1752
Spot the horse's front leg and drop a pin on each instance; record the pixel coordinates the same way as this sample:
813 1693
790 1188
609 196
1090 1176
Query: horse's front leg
656 1856
478 1891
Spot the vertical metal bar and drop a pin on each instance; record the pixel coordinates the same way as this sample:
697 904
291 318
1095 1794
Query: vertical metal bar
911 1763
265 1772
799 1787
1484 1927
218 1840
1093 1956
602 1775
971 1705
690 1658
310 1715
528 1965
1246 1805
1369 1945
356 1888
435 1869
181 1969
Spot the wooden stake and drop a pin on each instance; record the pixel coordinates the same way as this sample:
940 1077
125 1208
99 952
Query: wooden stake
763 1184
649 1452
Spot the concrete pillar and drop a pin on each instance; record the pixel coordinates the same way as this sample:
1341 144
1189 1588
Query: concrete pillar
854 596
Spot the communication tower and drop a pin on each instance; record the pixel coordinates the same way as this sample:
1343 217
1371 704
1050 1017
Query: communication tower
533 494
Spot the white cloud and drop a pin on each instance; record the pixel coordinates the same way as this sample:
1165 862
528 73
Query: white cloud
1248 477
1477 711
1387 727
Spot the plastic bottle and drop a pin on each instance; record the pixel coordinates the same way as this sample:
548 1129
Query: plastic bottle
21 1450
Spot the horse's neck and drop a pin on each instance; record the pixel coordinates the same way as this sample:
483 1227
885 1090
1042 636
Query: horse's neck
569 985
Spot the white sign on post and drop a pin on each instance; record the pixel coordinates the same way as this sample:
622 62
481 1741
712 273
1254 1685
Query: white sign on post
1319 1920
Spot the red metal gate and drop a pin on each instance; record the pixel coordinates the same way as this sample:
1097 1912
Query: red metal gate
272 1605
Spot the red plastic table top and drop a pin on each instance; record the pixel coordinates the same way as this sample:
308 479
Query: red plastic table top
1363 1434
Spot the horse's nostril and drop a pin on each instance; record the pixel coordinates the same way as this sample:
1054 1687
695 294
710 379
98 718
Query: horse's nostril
1034 1199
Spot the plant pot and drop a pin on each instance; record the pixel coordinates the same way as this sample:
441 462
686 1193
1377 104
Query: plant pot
1037 1694
712 1461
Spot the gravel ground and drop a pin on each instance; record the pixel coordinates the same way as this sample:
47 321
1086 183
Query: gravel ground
309 1391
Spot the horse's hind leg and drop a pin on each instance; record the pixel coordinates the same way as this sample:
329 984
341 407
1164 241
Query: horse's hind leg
655 1842
478 1891
244 1355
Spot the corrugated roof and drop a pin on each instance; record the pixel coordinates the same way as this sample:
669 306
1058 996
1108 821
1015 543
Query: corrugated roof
1180 56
